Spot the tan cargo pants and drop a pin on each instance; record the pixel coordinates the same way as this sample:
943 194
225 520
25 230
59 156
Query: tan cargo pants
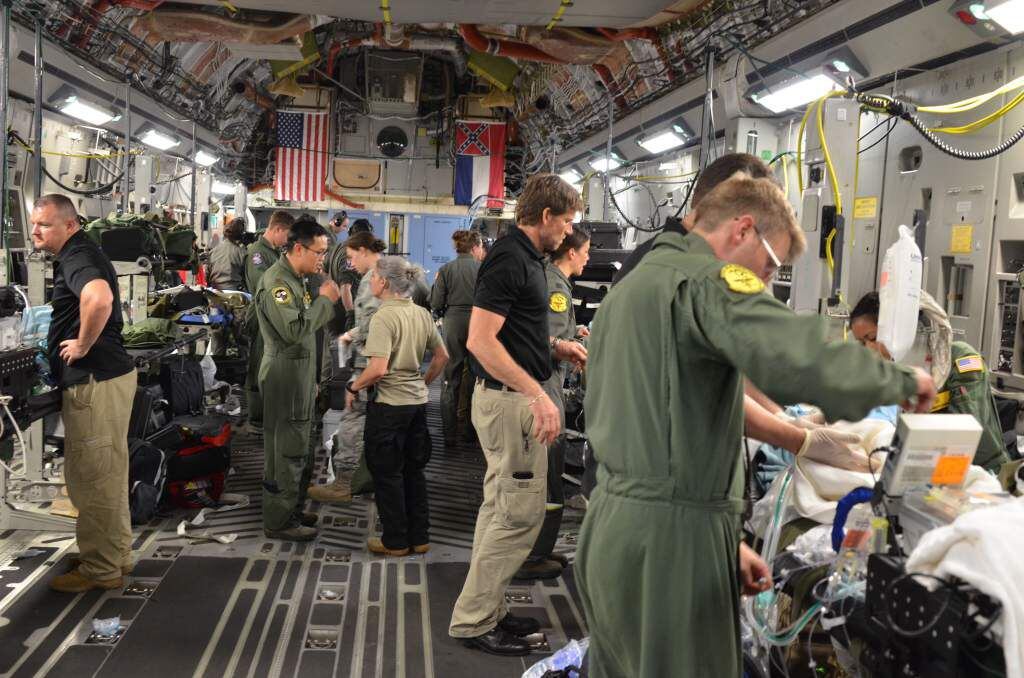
96 416
512 511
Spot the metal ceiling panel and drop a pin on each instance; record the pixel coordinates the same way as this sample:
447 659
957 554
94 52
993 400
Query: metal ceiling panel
605 13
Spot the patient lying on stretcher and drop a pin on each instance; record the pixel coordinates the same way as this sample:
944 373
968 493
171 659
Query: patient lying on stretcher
817 483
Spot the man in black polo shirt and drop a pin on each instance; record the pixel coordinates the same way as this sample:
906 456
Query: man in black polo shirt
511 355
97 377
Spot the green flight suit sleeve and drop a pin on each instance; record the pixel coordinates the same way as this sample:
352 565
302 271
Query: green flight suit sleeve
285 313
787 356
439 293
971 393
253 270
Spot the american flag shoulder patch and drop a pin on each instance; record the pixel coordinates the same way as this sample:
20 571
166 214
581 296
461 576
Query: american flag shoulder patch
970 363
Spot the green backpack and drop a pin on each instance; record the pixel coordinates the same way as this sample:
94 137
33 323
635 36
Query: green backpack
127 237
179 245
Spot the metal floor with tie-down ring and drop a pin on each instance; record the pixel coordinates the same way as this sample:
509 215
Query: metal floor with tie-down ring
259 607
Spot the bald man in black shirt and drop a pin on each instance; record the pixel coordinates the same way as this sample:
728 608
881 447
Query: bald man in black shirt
97 379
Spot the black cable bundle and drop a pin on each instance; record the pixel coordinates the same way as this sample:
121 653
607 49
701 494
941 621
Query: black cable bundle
900 109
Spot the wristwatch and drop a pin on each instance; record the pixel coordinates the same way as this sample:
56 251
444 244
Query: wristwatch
348 387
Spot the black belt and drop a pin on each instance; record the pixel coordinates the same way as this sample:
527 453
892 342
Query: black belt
493 384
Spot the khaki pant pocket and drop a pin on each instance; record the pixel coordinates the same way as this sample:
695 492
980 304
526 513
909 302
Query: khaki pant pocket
520 503
488 419
89 460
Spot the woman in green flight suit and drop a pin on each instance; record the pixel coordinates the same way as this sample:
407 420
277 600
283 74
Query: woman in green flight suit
452 299
966 390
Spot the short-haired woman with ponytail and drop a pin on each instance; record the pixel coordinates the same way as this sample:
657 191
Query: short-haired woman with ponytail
397 442
350 473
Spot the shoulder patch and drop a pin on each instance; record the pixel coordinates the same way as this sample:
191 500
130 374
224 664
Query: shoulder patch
741 279
257 258
281 295
559 303
969 363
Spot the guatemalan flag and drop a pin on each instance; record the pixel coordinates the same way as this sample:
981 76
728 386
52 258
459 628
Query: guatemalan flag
479 162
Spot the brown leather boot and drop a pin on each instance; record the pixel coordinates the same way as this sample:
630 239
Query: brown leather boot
76 582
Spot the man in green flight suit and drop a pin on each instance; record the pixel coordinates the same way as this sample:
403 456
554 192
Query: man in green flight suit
289 318
660 563
260 256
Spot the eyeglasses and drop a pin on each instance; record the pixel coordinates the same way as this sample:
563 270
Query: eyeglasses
320 254
776 263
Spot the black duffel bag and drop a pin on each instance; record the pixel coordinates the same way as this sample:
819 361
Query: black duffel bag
181 379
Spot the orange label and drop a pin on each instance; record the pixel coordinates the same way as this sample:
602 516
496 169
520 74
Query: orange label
951 470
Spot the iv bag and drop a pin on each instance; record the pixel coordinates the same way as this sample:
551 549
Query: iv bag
899 295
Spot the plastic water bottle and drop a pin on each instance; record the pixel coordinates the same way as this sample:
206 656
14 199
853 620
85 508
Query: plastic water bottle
570 655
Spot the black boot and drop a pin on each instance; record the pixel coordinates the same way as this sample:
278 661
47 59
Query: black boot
539 569
519 626
500 642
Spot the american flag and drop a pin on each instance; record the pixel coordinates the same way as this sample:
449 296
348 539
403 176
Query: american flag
301 156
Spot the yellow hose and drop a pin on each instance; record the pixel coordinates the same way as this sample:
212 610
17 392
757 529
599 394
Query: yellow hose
828 156
982 122
973 102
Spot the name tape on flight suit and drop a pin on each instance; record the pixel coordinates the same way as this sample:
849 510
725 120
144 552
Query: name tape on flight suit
741 279
282 295
559 303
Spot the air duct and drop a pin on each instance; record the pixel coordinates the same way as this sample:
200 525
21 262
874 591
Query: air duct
506 48
188 26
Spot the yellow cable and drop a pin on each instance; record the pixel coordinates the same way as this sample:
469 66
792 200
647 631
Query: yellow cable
89 156
829 259
973 102
828 156
385 8
563 5
982 122
229 7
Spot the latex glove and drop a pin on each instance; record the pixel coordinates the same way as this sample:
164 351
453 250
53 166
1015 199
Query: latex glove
835 448
810 421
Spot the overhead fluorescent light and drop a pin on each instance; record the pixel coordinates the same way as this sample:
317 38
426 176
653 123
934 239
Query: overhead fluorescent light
158 140
222 188
796 93
205 159
660 143
604 164
86 112
571 176
68 102
1007 13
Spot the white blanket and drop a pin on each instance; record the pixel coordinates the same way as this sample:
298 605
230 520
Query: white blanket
984 548
817 488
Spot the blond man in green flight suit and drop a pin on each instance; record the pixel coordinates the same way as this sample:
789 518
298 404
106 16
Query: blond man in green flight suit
260 256
660 563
